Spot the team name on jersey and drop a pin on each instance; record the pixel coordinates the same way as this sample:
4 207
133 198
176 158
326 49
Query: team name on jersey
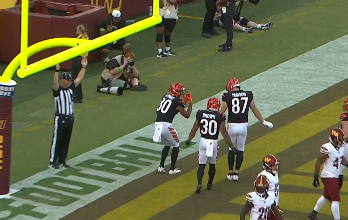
241 94
209 116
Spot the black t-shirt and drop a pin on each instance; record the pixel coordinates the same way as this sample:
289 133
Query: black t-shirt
344 116
167 109
118 25
238 103
209 123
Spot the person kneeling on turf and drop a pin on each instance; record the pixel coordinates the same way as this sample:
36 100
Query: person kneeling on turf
119 74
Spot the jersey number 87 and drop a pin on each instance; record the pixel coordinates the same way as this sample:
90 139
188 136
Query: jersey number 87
236 105
209 127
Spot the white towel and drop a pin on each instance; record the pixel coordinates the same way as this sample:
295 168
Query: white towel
210 148
158 133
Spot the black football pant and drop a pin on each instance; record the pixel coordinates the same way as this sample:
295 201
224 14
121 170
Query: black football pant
227 20
76 68
208 24
63 127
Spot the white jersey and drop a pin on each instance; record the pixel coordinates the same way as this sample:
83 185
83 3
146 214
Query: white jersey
261 206
169 11
332 163
345 154
273 180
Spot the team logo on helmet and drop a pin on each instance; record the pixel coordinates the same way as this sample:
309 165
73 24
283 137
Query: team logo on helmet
261 185
232 83
337 137
213 104
270 164
177 90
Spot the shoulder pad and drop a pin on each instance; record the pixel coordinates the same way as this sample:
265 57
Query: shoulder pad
324 150
249 198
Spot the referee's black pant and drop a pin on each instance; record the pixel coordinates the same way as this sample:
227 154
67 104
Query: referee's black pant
208 23
76 68
63 127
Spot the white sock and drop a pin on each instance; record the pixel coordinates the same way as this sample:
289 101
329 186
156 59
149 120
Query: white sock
159 51
167 48
335 209
320 203
245 29
259 26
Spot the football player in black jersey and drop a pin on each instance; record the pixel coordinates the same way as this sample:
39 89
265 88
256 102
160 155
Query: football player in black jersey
170 105
238 102
211 123
344 126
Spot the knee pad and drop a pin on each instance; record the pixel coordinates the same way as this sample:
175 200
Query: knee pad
167 38
159 38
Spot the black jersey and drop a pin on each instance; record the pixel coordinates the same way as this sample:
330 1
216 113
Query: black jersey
238 103
209 123
167 109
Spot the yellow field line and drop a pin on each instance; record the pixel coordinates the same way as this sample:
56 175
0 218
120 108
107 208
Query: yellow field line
174 191
191 17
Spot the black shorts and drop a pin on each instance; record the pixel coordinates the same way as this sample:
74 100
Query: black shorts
118 46
168 24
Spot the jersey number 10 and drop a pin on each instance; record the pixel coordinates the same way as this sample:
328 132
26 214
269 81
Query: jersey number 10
164 105
236 105
209 127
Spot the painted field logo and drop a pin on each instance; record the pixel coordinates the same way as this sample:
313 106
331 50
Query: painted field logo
2 124
1 151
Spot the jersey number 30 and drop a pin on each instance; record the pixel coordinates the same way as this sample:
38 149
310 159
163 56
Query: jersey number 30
209 127
164 105
236 105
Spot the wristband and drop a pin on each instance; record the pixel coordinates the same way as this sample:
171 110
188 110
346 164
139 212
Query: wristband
57 70
83 67
119 69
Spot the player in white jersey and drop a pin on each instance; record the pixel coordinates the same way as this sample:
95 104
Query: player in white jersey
331 155
270 166
260 202
344 126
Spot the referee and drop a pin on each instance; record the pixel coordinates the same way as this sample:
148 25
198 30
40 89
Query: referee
64 114
227 9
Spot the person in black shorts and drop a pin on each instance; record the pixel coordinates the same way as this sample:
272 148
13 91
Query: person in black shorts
169 13
171 104
210 122
110 25
238 102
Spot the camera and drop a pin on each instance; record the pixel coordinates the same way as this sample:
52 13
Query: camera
130 62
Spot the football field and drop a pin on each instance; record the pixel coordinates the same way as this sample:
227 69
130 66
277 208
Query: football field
297 72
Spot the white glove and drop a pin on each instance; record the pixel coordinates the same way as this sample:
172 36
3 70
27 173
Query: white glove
267 123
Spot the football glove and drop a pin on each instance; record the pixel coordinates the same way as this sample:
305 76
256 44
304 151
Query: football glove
189 97
267 123
188 142
316 181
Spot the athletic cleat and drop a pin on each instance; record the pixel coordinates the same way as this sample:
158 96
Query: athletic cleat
161 170
65 165
199 188
235 177
269 25
229 176
169 53
225 49
249 30
209 186
312 215
175 171
161 55
53 166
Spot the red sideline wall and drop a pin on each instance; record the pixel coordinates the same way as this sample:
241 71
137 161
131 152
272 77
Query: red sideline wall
129 8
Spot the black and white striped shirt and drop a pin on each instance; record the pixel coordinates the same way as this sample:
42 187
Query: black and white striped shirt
63 100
